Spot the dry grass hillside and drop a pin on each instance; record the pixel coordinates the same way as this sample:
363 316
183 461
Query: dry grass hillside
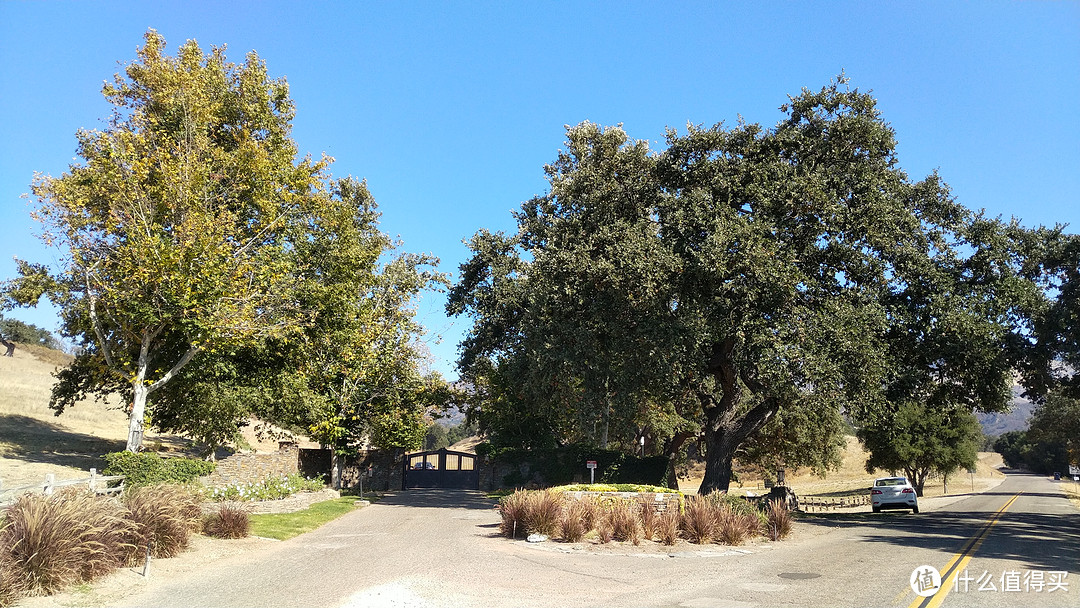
34 441
852 477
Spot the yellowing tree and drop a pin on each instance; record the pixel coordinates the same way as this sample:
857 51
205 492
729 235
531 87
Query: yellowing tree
177 224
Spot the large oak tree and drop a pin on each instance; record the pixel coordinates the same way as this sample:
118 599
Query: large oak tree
738 278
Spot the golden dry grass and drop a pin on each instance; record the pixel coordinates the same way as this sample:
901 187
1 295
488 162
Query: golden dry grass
1072 490
34 441
852 477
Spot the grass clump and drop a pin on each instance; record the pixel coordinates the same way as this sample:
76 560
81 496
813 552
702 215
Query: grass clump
576 520
48 543
512 511
527 512
165 517
699 520
733 527
543 512
229 521
668 527
779 520
623 520
283 526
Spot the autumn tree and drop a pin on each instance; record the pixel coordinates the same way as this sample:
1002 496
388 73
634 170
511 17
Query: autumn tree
177 225
739 278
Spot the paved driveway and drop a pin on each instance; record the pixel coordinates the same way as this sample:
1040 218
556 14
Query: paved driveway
439 548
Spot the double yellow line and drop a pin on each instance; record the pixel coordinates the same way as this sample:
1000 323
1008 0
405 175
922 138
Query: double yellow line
960 560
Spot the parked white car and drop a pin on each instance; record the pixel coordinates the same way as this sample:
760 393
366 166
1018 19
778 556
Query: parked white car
893 493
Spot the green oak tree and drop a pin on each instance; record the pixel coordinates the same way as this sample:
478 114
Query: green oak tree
919 439
744 281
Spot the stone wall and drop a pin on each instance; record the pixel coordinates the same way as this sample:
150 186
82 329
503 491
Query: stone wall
254 467
383 470
662 501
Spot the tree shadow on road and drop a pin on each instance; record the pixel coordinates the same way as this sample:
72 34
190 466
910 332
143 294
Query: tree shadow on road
1040 541
435 498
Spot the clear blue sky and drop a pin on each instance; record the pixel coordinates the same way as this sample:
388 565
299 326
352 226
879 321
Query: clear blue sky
450 110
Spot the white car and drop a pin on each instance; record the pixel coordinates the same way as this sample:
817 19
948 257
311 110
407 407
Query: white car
893 493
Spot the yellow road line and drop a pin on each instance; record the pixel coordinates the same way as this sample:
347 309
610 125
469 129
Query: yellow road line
960 560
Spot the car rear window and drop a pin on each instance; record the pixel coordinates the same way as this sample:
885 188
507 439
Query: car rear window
896 481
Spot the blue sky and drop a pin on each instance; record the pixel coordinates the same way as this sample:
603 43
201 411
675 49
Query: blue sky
451 110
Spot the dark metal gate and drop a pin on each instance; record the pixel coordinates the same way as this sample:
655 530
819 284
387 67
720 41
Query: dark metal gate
441 469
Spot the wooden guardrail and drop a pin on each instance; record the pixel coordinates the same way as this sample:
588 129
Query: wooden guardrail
817 504
95 483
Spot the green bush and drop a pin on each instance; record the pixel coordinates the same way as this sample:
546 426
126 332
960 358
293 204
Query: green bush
273 488
559 466
146 468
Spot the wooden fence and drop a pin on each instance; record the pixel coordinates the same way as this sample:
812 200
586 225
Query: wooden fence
817 504
96 483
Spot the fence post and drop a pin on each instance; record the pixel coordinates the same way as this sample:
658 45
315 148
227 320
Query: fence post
93 479
50 479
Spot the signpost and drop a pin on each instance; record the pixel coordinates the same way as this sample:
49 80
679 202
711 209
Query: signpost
591 465
1074 472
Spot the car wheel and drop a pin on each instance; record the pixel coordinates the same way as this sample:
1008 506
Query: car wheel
915 510
876 509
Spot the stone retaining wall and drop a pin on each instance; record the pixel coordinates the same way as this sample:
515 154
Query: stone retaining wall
662 500
254 467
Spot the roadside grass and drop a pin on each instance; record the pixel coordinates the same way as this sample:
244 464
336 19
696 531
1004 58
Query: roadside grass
1072 490
283 526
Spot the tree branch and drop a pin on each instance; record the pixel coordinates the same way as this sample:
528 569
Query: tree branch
191 352
96 323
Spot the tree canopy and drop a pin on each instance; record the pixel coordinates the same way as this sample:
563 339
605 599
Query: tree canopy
920 439
194 235
739 278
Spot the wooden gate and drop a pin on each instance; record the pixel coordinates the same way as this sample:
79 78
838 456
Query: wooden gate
441 469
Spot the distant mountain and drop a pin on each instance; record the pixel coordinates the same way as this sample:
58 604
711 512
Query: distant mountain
1016 419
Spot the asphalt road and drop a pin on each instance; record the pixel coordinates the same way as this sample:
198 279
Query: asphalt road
436 548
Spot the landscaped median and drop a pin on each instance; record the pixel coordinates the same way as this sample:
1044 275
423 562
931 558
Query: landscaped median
599 514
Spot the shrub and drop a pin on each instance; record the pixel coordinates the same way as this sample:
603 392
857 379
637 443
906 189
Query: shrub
668 526
624 522
543 512
52 542
574 524
164 515
604 533
147 468
648 518
512 511
273 488
733 527
699 519
779 520
229 521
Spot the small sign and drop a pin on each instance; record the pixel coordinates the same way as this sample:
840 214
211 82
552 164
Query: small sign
1074 470
590 464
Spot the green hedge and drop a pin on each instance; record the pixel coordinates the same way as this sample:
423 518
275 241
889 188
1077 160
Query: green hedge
147 468
559 466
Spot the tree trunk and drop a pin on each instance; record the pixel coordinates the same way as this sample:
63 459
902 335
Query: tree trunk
720 446
725 430
138 412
